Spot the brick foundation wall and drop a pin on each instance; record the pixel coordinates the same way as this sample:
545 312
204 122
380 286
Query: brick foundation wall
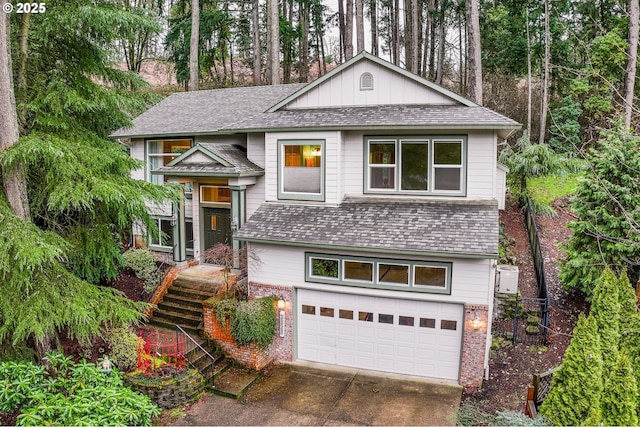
474 345
282 347
252 356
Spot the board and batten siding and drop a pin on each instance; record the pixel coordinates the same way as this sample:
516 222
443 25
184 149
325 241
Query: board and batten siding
343 89
472 279
331 160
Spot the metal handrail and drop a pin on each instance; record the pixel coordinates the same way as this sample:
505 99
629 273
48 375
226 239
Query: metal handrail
196 344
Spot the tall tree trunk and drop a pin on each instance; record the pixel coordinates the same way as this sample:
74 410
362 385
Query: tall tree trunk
255 22
273 42
374 28
303 71
194 45
24 46
473 49
415 36
529 93
343 30
408 35
14 179
395 37
348 31
545 79
433 4
442 38
359 26
632 59
461 55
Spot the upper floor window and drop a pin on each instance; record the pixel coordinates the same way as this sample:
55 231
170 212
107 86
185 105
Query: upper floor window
423 165
161 152
301 170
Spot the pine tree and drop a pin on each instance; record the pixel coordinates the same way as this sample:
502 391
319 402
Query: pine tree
576 388
620 395
606 231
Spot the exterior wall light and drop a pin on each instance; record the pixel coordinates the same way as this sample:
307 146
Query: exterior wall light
281 304
476 322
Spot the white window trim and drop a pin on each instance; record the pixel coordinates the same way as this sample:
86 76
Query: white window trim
148 155
288 195
210 204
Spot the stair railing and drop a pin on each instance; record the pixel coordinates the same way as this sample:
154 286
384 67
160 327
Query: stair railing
191 344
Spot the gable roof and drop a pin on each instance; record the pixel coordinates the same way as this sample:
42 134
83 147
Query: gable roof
394 68
263 109
223 160
204 111
423 227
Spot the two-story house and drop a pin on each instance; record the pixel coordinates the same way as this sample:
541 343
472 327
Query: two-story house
369 199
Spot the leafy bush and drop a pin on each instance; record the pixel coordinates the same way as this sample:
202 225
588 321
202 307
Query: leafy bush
123 343
143 264
68 393
252 321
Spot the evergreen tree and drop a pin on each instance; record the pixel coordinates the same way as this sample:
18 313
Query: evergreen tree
607 205
81 195
605 309
620 395
576 388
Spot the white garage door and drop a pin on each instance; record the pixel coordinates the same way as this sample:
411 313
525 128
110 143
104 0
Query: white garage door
393 335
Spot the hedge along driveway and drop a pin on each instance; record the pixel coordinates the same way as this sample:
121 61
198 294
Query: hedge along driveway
315 394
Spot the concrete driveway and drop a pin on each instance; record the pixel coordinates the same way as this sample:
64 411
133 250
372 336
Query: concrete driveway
314 394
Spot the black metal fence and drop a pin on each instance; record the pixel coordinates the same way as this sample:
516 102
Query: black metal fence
538 266
525 319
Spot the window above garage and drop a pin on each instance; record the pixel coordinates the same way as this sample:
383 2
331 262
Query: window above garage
383 273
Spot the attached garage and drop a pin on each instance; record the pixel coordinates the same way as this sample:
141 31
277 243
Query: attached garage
393 335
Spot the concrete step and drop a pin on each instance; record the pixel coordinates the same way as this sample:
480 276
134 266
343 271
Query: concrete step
177 317
183 300
177 289
235 381
199 283
169 324
180 307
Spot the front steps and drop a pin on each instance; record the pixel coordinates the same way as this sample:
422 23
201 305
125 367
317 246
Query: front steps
182 303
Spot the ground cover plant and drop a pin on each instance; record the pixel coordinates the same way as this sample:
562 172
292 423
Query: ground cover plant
64 392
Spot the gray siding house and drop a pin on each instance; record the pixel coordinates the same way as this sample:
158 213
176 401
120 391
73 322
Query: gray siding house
370 196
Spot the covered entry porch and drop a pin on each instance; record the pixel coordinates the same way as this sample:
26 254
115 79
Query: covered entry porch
214 178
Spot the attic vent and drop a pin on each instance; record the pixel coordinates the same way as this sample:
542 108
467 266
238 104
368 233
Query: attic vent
366 81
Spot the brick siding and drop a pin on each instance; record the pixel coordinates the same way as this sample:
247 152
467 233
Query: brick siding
474 345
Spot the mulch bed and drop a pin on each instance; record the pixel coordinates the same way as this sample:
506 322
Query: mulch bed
511 368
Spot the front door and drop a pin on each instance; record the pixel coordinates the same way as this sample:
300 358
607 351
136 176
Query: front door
217 226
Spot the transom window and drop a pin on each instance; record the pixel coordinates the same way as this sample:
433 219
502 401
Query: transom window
161 152
301 170
423 165
417 276
213 194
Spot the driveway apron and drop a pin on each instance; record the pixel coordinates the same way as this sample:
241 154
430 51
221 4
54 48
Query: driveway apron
314 394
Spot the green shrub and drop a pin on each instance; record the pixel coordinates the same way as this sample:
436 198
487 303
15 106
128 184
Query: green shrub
123 343
68 393
252 321
143 264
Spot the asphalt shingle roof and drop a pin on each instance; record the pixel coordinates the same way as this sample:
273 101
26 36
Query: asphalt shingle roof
379 116
442 227
205 111
235 155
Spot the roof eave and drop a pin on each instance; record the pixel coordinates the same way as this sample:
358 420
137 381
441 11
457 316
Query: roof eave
510 128
208 174
468 255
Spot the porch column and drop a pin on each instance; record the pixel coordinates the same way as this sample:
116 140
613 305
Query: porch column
238 212
179 232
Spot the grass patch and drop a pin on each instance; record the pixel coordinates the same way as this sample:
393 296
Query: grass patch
549 188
